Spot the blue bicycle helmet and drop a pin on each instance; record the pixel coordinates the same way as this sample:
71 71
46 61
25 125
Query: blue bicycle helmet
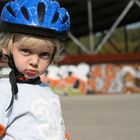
37 17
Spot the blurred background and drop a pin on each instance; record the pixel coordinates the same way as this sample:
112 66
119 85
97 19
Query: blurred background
102 58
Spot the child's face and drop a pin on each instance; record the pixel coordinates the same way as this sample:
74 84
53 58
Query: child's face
31 57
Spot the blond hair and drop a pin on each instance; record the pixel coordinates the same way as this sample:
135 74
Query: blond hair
7 38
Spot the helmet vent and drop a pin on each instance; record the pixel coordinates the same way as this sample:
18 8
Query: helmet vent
24 12
41 11
55 18
11 11
65 19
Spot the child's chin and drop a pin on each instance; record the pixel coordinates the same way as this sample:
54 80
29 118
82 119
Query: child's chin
30 77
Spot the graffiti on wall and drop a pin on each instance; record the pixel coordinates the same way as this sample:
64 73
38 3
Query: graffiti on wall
90 79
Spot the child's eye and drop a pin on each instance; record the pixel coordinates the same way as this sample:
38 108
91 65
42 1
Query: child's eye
45 55
25 51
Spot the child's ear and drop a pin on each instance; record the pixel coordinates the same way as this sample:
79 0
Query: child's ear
4 51
4 55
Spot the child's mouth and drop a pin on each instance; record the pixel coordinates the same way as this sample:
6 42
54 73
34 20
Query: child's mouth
31 72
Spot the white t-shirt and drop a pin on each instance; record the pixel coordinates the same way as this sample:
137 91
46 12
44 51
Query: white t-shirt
35 114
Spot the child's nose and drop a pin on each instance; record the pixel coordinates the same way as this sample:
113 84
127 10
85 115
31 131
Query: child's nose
34 60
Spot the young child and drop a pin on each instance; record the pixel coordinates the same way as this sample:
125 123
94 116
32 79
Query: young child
31 32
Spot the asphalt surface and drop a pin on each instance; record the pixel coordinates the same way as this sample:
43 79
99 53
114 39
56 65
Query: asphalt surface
102 117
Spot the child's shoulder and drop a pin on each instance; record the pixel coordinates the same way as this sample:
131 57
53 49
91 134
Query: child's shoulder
5 87
4 82
36 90
48 89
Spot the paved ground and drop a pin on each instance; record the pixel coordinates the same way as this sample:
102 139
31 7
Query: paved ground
102 117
